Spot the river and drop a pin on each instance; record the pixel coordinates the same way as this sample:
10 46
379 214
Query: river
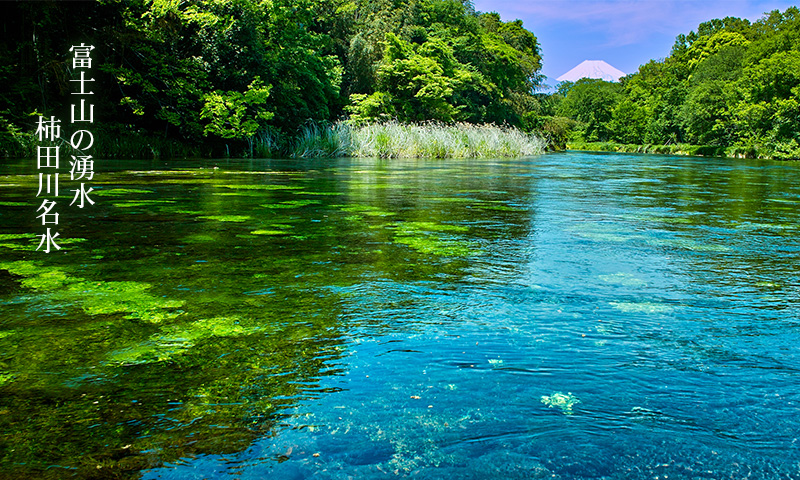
572 315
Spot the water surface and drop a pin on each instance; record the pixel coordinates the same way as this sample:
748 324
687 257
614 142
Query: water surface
571 315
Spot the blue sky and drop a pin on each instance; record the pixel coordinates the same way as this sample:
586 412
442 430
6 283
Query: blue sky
624 33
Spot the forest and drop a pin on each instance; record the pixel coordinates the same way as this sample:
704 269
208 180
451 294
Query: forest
731 88
193 77
177 78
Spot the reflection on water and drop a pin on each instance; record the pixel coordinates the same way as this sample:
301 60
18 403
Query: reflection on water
564 316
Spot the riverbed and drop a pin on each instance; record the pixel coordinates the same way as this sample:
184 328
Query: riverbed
571 315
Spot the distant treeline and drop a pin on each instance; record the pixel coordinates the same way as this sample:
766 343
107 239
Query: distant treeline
205 77
732 87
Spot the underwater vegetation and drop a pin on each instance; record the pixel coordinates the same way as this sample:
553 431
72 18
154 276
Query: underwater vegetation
562 401
433 238
175 340
372 312
94 297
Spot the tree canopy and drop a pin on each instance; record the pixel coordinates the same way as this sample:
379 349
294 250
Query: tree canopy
220 71
731 84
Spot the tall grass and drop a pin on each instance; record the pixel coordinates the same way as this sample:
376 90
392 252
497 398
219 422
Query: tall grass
425 140
385 140
265 144
336 140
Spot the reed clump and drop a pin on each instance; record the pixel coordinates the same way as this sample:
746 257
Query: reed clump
327 140
390 139
421 140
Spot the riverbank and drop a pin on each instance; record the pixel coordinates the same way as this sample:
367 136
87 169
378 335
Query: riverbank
680 149
424 140
389 139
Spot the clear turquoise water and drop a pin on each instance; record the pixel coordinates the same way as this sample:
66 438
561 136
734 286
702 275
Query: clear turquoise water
372 319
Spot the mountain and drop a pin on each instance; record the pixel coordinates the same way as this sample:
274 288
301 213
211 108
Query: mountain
592 69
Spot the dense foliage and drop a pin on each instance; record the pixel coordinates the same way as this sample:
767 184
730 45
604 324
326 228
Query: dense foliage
732 86
213 73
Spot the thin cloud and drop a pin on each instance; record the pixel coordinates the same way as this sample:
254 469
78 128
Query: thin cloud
625 22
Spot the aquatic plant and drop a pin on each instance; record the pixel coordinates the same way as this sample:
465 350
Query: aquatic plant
95 297
226 218
261 187
142 203
119 192
434 238
265 143
176 340
292 204
437 140
368 210
565 402
424 140
334 140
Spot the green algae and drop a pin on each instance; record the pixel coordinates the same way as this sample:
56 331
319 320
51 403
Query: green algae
364 210
292 204
563 402
200 238
29 246
227 218
94 297
142 203
453 199
269 232
434 238
178 339
306 192
244 193
16 236
21 267
6 378
437 246
103 298
261 187
15 204
119 192
49 279
430 227
354 218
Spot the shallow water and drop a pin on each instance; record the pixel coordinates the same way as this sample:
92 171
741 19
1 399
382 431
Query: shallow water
571 315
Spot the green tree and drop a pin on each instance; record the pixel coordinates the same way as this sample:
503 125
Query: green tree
236 115
591 102
628 122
